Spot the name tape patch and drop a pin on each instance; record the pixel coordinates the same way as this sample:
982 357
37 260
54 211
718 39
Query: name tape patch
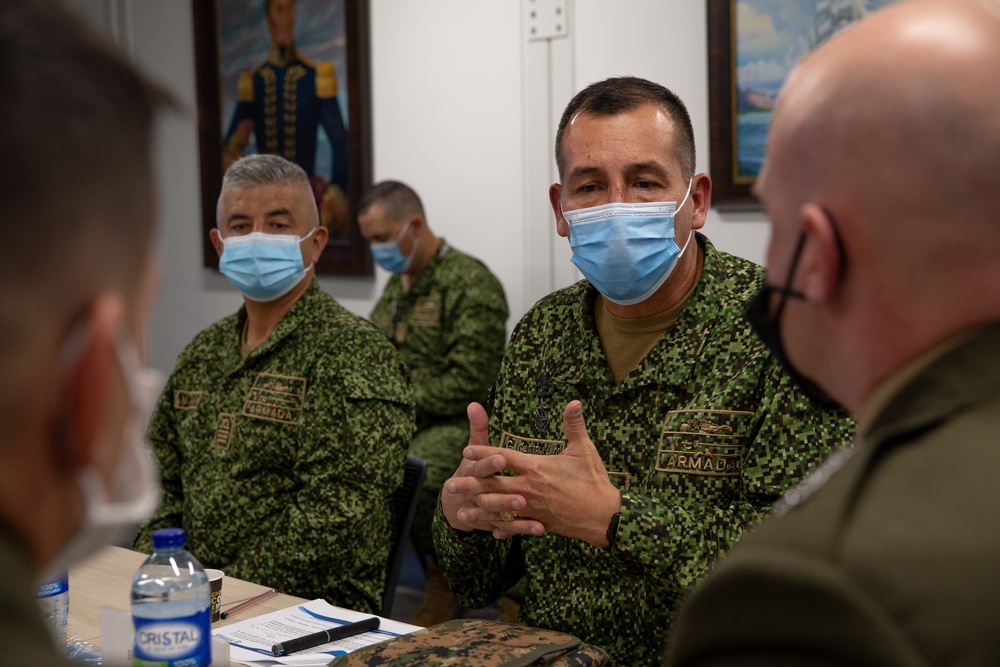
187 400
544 447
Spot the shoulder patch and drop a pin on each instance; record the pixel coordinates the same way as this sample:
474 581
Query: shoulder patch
244 87
326 80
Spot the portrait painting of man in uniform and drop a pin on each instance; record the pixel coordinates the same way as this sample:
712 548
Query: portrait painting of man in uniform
289 77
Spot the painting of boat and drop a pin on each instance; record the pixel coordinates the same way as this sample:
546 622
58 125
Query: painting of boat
771 37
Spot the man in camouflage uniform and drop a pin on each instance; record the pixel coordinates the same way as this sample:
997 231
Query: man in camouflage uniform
446 314
282 432
695 429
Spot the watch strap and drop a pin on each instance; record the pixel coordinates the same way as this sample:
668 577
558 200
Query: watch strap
612 533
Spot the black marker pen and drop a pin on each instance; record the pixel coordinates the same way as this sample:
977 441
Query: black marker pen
325 636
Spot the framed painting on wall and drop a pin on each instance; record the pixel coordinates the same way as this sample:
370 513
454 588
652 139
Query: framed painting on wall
752 46
289 77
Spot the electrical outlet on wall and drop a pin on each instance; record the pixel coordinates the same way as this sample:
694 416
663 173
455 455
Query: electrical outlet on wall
544 19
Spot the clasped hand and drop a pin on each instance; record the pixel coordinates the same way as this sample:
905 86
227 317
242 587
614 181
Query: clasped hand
569 494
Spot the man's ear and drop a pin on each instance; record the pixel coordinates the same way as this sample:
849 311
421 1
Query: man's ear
701 199
821 261
555 194
216 236
318 242
94 390
417 223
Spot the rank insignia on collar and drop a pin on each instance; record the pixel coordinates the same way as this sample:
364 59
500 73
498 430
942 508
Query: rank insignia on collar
544 386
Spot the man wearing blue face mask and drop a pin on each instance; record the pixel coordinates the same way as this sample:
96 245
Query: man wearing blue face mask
282 432
696 431
447 315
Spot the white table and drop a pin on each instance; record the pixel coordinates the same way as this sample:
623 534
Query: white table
105 580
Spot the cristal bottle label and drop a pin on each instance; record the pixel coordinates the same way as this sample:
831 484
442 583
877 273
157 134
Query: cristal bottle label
174 642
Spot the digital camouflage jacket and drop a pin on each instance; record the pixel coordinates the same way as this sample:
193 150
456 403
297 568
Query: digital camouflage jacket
701 438
280 467
450 330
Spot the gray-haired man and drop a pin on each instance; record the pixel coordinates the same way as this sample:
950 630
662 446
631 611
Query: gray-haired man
283 430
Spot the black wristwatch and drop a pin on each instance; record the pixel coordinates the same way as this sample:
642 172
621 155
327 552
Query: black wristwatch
612 533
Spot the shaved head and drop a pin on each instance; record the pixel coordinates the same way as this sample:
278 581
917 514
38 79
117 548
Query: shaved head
882 159
898 113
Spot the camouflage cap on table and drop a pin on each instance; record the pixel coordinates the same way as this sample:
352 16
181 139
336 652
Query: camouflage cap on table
478 643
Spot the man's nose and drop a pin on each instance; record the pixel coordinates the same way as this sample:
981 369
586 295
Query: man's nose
618 193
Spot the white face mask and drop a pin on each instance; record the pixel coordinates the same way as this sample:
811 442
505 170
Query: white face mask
111 515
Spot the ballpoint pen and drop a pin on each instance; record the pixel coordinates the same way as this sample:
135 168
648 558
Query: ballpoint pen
325 636
249 603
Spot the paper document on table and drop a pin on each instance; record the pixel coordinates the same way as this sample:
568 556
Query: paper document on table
251 640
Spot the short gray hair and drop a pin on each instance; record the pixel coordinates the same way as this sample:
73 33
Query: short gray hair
264 169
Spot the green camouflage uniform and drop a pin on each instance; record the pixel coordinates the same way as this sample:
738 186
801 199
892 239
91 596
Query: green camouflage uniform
450 331
701 438
280 467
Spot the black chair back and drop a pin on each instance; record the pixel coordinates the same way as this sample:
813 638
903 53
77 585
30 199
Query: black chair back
405 506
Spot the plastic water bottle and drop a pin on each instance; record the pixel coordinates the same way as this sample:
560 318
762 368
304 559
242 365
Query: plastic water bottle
53 600
171 606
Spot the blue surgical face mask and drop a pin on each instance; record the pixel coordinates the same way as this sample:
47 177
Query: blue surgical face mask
263 266
626 251
388 255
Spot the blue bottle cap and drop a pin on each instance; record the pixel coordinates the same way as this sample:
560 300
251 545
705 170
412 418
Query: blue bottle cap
169 537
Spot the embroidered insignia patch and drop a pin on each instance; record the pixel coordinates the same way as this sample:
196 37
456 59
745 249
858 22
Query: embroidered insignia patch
702 442
544 388
187 400
544 447
278 398
531 445
427 312
224 432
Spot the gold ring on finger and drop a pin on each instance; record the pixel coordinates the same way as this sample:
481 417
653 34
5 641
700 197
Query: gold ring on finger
508 515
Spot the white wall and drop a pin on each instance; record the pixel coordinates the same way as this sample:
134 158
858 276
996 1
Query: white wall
665 41
464 109
446 112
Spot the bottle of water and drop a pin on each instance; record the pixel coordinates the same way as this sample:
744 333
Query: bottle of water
171 606
53 599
